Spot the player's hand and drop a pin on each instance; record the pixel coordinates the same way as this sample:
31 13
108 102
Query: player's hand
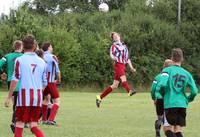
4 76
7 102
155 102
57 81
133 70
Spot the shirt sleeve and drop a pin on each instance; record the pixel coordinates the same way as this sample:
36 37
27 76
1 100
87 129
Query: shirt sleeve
2 62
112 51
161 84
193 88
44 77
153 87
16 74
55 60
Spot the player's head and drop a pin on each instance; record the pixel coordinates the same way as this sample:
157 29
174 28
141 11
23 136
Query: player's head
29 43
177 55
115 36
40 53
47 47
167 63
17 45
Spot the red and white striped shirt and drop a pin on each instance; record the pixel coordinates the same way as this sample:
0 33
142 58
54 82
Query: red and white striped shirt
30 70
52 66
119 52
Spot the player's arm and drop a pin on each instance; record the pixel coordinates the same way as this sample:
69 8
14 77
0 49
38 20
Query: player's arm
131 65
161 84
153 87
112 52
44 77
15 79
58 74
193 88
3 61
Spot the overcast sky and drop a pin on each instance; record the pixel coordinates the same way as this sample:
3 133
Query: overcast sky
5 5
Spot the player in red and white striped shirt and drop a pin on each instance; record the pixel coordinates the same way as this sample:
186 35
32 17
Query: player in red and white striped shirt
119 53
53 72
30 70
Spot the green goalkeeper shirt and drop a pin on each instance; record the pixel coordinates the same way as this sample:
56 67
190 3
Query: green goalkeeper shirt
175 80
9 61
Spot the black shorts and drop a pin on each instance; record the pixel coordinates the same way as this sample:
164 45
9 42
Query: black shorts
160 107
176 116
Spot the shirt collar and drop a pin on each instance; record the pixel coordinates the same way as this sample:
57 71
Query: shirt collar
47 52
30 53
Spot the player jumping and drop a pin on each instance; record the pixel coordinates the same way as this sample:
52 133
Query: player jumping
119 53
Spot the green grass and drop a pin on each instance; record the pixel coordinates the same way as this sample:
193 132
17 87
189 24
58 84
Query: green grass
119 116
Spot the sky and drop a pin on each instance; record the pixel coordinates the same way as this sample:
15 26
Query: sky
5 5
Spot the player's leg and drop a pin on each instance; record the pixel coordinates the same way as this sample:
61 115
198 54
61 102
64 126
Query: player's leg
50 104
19 129
54 111
178 131
170 120
35 130
45 105
21 116
181 122
126 86
159 112
44 109
107 91
56 103
12 126
169 131
34 117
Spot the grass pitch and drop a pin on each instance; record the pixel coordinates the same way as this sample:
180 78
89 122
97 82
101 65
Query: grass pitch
119 116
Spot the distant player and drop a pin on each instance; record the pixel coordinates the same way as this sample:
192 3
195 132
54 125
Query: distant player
175 79
52 72
8 61
30 70
159 102
47 98
119 53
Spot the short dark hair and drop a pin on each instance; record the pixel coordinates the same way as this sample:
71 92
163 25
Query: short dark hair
177 55
45 46
40 53
17 44
29 42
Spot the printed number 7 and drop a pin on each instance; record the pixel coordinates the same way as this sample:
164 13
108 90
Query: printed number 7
34 67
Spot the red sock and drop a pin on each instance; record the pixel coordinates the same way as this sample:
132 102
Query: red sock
37 132
18 132
44 112
126 86
54 111
106 92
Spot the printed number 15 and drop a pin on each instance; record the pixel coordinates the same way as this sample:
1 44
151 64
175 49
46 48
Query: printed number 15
179 80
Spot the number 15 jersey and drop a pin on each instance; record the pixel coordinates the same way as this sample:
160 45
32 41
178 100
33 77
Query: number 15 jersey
175 80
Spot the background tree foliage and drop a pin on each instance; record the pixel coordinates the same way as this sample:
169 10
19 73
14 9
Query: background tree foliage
81 37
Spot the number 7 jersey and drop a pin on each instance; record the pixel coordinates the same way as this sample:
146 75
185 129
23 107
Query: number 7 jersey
30 70
175 80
